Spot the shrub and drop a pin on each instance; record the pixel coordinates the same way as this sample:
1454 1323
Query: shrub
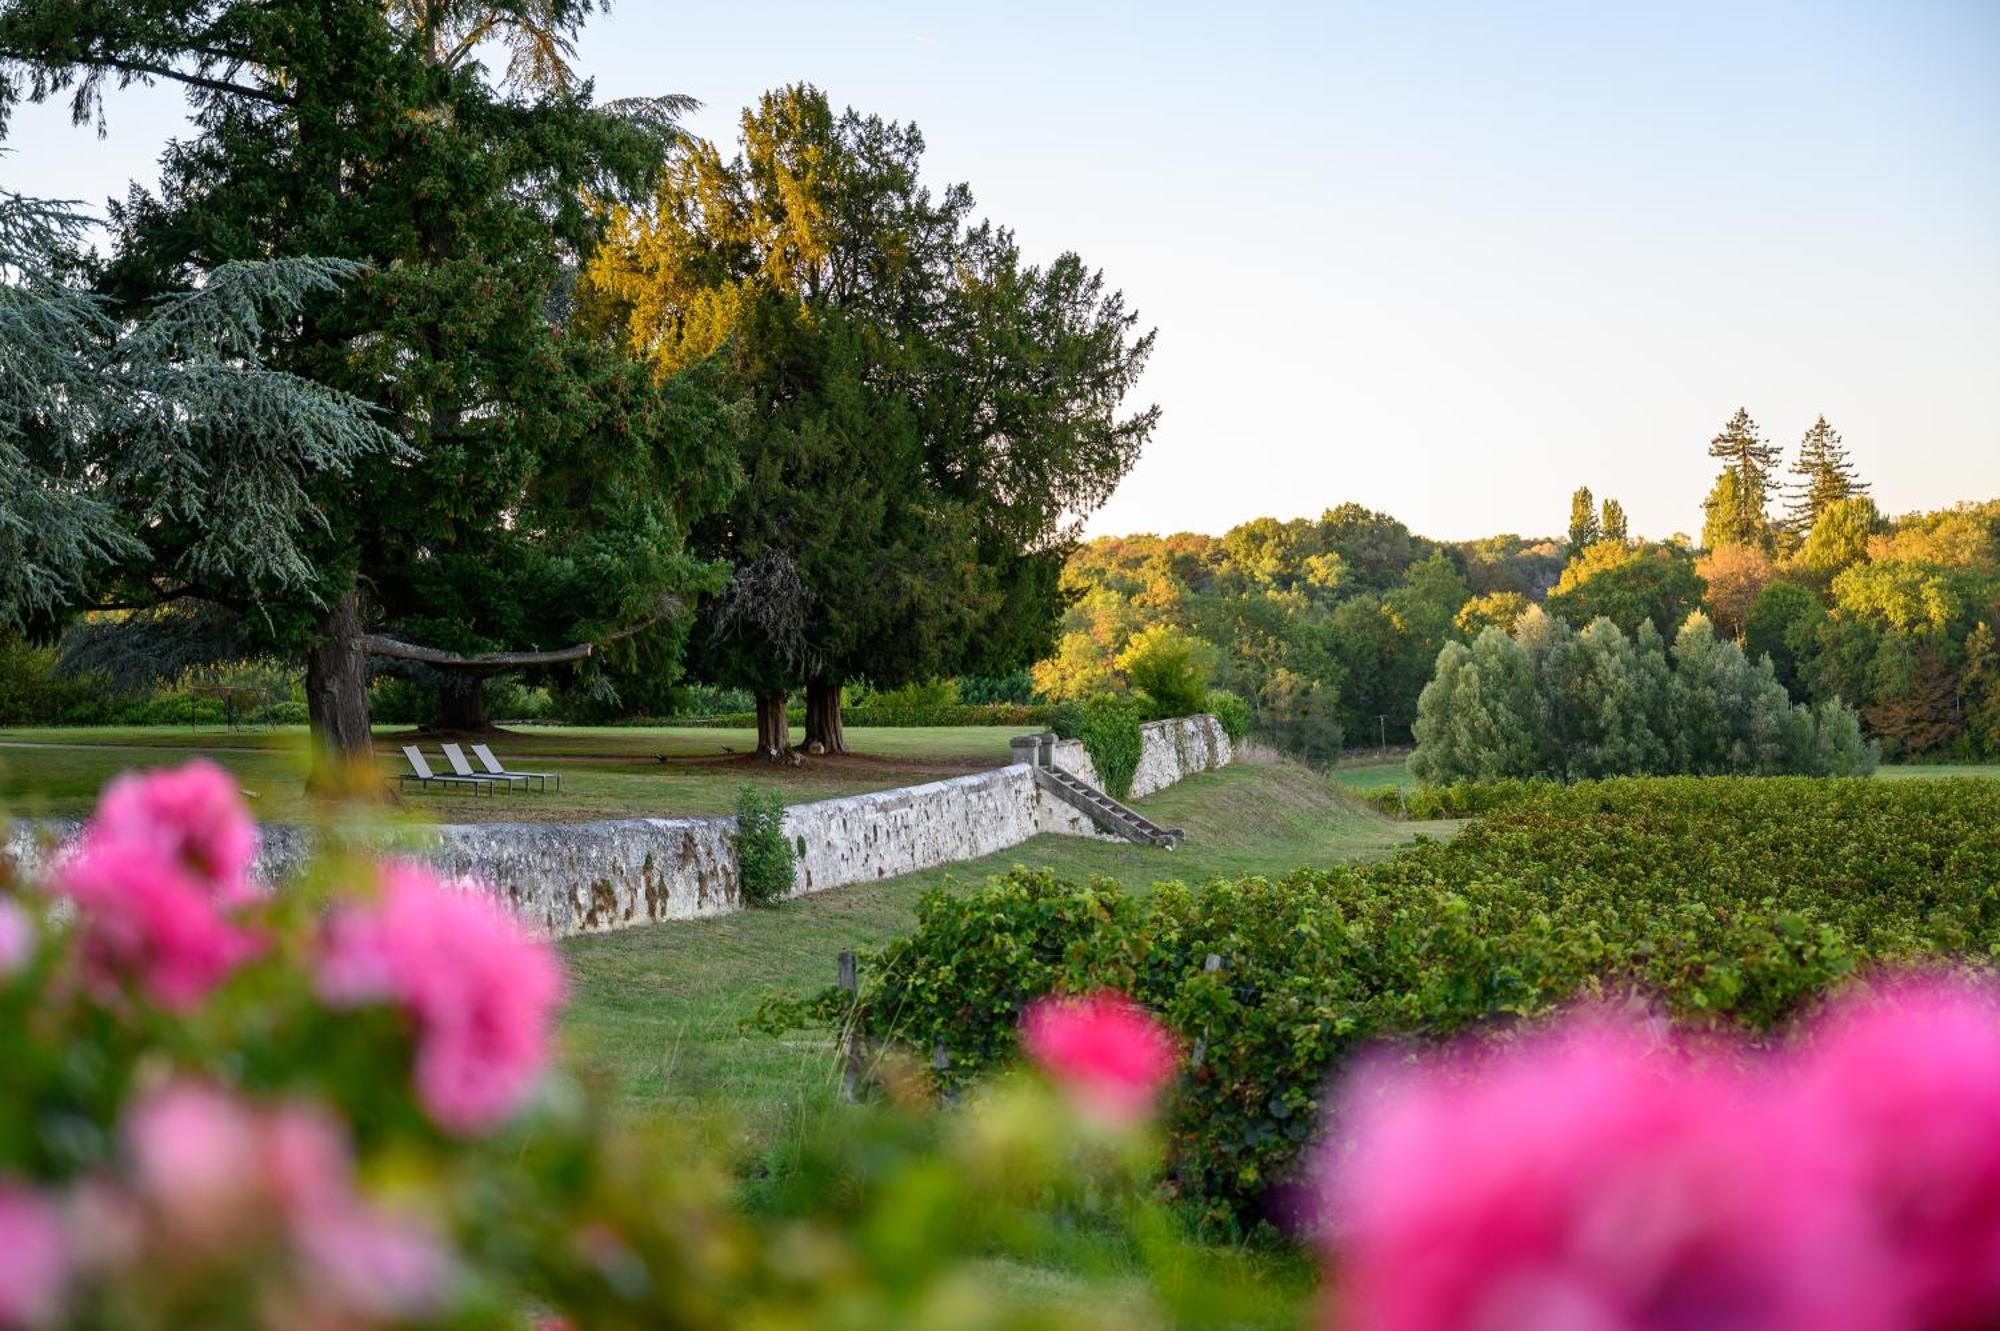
1164 666
764 853
926 703
1110 731
1234 713
1460 799
1726 902
1548 701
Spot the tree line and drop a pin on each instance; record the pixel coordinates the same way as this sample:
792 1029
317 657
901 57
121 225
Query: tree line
428 366
1333 627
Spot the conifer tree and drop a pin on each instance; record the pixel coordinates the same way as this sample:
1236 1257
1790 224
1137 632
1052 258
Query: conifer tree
1824 477
1613 524
1584 530
1736 506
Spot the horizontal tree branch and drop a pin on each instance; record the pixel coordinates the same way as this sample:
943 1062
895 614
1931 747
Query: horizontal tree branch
376 644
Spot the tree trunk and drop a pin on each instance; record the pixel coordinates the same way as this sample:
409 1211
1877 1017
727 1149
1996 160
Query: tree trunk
337 703
774 728
462 704
823 723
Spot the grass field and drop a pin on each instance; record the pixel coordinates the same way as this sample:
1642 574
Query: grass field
660 1008
608 771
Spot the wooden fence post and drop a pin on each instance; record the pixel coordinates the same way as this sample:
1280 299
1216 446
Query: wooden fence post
850 1062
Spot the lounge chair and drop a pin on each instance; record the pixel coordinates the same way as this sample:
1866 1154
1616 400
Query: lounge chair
420 772
456 758
493 768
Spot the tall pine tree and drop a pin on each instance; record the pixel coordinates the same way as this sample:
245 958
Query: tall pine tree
1614 525
1824 477
1736 506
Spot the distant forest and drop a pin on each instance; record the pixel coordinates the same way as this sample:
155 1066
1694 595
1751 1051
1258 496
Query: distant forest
1331 627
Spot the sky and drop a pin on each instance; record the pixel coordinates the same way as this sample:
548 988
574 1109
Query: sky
1448 260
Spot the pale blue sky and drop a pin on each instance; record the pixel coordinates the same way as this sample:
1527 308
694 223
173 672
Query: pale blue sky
1450 260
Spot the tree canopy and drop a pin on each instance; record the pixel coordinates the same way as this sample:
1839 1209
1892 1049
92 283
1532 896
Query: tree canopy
930 414
545 483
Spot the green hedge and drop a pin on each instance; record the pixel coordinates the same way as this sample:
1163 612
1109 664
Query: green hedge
1457 799
1732 900
1030 715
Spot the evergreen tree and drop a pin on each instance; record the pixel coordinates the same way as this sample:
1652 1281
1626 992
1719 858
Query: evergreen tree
1584 530
124 441
535 515
1736 508
1614 525
929 415
1824 477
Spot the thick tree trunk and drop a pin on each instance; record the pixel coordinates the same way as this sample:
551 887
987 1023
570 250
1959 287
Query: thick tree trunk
774 728
462 704
337 703
823 723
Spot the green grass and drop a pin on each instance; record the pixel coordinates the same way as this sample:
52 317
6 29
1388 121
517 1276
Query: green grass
660 1009
608 771
1933 771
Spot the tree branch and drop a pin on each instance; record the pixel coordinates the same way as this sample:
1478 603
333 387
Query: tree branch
193 80
376 644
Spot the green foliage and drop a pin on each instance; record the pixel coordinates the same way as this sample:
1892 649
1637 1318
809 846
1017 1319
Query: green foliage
1164 666
1301 715
1459 799
1233 712
764 854
1548 702
167 444
1735 509
1109 729
1584 528
1655 582
1725 902
927 410
1825 477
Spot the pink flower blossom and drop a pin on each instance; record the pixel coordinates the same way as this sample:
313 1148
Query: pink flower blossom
480 990
1905 1089
34 1257
211 1169
17 938
157 875
1105 1050
146 917
1583 1183
192 816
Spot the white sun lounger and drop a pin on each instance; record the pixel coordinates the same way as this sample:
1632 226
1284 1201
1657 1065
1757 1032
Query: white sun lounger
456 758
493 768
420 772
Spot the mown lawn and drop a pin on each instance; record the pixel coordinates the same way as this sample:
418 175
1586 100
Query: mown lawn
608 771
659 1009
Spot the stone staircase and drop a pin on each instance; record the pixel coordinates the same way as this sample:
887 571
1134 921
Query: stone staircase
1115 818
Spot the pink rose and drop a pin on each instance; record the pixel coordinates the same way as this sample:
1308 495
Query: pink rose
1106 1051
191 816
157 876
480 990
1583 1182
34 1257
1904 1091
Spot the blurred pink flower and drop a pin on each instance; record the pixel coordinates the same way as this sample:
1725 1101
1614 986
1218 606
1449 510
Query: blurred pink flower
194 1156
1905 1088
1109 1053
17 938
145 917
373 1263
481 991
191 816
34 1257
1583 1182
156 875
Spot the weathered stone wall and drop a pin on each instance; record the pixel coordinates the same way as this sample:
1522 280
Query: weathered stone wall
1170 750
573 878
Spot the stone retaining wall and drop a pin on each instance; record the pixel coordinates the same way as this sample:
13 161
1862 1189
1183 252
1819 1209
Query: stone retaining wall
1170 750
574 878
